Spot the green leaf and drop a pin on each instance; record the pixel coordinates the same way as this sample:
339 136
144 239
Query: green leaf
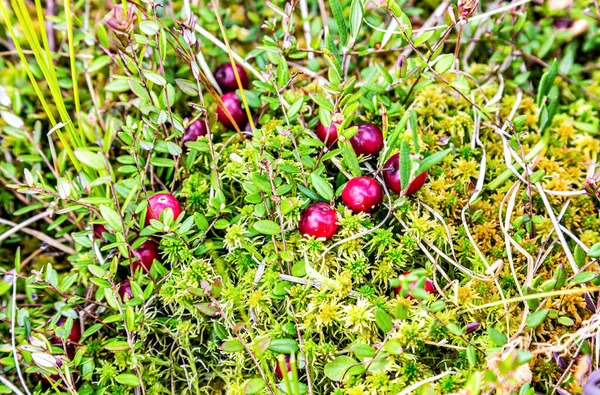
546 82
284 346
99 63
583 277
254 386
384 73
283 73
444 63
111 217
310 194
187 87
423 37
356 16
343 367
154 77
322 102
261 181
139 90
232 346
335 69
393 137
267 227
295 107
350 158
91 159
96 270
535 319
91 330
383 320
322 187
149 27
338 15
432 160
594 252
128 379
471 356
393 347
566 321
497 337
405 165
363 351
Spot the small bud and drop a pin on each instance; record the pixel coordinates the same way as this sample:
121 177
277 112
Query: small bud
560 360
472 327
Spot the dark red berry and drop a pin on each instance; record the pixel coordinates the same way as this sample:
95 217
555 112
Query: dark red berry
391 176
158 203
226 77
99 229
428 287
362 194
234 106
125 289
195 131
145 254
328 135
368 140
288 367
318 220
75 334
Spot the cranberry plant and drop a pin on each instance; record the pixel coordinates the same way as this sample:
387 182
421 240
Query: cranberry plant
304 197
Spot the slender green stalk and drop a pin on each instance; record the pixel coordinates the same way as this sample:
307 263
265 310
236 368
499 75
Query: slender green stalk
69 21
35 85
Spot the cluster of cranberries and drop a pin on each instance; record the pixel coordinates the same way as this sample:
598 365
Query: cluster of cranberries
231 104
361 194
146 253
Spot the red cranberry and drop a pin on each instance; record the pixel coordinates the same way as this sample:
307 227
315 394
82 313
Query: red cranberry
226 77
72 340
75 334
319 220
368 140
391 175
145 254
125 289
362 194
428 287
288 367
98 230
234 106
158 203
195 131
328 135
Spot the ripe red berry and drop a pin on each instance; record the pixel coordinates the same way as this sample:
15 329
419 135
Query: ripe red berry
328 135
145 254
98 230
362 194
368 140
318 220
226 77
391 176
125 289
428 287
288 367
196 130
74 335
234 106
158 203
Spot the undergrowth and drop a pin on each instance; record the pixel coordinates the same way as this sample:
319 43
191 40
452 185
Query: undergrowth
498 101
